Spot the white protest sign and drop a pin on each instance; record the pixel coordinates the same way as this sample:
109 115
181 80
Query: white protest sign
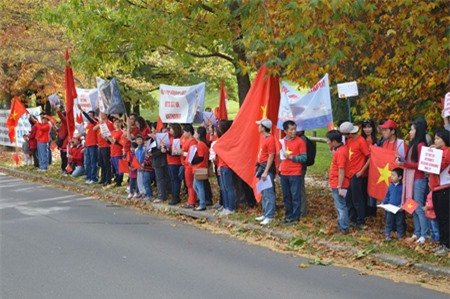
87 99
264 184
181 104
23 126
446 105
347 90
176 147
212 153
430 160
162 139
104 130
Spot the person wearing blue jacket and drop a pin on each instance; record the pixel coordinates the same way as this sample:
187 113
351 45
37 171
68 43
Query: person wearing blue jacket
394 197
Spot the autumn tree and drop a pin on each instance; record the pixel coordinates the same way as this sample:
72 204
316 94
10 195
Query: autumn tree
31 53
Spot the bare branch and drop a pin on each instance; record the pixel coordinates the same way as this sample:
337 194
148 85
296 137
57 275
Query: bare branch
217 54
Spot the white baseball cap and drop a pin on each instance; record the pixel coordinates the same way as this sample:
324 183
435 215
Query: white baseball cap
265 122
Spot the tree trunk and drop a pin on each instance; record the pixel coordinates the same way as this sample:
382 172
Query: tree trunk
136 108
243 82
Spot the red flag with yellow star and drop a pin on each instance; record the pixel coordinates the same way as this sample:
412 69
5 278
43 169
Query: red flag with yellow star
239 146
17 110
382 161
410 205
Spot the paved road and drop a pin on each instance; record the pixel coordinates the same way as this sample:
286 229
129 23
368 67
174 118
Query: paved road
57 244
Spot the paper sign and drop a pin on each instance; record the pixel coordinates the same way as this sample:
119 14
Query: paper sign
264 184
347 90
176 147
390 208
104 130
162 139
282 150
430 160
445 176
192 151
209 118
54 100
446 105
212 153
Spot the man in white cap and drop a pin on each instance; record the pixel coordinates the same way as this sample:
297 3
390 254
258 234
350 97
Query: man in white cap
358 153
265 169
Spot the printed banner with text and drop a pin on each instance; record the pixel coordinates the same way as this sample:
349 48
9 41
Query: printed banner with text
181 104
23 126
310 111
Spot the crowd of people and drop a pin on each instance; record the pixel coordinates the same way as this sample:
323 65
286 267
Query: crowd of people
430 191
106 147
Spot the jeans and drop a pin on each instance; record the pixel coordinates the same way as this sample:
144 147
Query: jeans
268 199
90 162
43 155
133 185
420 220
398 219
104 161
292 196
341 210
227 188
356 201
199 188
34 153
140 181
49 153
147 177
78 171
434 230
115 164
174 172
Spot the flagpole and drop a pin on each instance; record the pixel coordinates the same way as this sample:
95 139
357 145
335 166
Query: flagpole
17 144
349 112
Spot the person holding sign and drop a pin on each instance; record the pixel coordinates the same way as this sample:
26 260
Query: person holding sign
440 186
103 129
188 146
415 182
291 172
200 160
90 147
174 162
394 197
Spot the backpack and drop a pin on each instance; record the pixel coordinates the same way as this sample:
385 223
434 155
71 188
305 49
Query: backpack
311 149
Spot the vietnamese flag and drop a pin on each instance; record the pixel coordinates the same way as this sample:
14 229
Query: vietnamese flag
123 166
16 159
135 163
71 95
410 205
17 110
222 103
382 162
240 145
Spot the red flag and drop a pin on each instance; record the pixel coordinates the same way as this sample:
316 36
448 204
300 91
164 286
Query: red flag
159 125
123 166
69 168
16 159
239 146
71 95
410 205
222 103
79 118
135 163
382 162
17 110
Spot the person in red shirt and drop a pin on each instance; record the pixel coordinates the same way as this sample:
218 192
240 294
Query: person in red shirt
338 178
104 148
294 154
42 137
174 162
200 160
116 149
440 186
266 169
358 155
369 132
90 147
62 139
188 144
76 156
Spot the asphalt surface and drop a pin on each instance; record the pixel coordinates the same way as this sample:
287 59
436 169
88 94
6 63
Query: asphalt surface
58 244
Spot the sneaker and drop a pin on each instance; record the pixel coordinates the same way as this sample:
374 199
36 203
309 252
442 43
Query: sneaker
260 218
136 195
387 238
130 196
218 207
157 200
442 250
421 240
229 212
224 212
266 221
91 182
87 181
413 238
187 206
128 189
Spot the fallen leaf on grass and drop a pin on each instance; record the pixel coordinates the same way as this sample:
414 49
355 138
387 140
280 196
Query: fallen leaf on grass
320 262
296 243
362 253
